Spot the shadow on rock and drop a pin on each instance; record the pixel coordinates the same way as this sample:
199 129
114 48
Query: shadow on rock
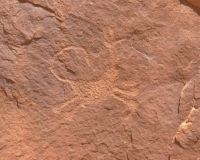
195 8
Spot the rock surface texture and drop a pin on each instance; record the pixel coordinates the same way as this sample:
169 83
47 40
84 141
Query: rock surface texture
99 80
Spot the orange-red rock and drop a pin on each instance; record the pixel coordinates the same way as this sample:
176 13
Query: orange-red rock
99 80
194 2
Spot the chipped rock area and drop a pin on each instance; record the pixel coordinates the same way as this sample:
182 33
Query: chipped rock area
99 80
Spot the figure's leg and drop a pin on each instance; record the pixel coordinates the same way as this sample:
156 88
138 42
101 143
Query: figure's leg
127 97
60 107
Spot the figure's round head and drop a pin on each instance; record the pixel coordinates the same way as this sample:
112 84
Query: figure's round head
74 63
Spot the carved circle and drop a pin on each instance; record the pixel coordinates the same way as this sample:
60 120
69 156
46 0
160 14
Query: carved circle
74 63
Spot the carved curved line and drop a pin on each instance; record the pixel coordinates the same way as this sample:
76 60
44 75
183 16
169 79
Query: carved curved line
125 92
71 114
58 108
73 47
131 106
57 77
61 52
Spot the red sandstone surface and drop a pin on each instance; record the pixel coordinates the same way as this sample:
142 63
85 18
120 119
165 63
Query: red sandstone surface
99 80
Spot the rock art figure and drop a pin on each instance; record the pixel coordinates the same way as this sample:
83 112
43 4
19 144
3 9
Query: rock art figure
91 82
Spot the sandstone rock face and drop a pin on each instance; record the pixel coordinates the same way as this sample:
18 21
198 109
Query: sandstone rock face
99 80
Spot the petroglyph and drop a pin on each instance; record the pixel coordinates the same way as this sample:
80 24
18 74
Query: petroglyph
90 85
